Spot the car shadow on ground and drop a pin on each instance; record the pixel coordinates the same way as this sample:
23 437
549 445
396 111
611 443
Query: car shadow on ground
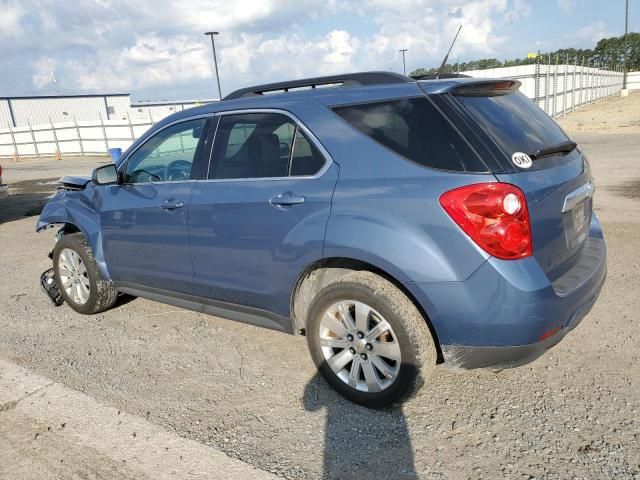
26 198
21 205
360 442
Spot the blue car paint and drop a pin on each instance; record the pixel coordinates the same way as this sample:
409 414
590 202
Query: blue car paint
375 207
144 243
545 191
516 298
80 209
250 252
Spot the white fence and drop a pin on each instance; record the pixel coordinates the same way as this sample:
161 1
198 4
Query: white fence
633 81
560 88
70 138
557 89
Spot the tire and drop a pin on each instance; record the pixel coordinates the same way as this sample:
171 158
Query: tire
408 334
78 277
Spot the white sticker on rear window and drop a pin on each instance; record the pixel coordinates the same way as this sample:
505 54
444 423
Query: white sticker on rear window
521 160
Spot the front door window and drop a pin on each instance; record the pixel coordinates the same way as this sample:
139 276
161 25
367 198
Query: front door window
168 156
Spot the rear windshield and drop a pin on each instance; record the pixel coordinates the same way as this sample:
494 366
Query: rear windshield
516 123
415 129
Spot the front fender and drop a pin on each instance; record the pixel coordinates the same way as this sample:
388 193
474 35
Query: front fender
80 209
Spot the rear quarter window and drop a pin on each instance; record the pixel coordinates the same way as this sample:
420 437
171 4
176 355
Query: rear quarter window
416 130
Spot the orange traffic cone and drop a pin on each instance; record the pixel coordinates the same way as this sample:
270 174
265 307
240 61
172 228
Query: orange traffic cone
58 156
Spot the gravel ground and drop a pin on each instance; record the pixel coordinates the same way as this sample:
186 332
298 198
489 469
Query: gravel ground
254 394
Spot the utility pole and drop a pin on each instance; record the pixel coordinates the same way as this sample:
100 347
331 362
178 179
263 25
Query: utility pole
215 61
55 84
624 42
404 65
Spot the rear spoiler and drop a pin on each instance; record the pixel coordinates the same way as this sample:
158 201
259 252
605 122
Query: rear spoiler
484 88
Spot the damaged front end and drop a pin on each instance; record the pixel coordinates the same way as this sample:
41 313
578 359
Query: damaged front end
48 279
74 208
50 287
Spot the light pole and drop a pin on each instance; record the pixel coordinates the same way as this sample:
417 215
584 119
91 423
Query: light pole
624 42
404 65
215 61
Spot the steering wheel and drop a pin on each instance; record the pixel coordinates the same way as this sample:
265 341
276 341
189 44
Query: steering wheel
175 171
152 176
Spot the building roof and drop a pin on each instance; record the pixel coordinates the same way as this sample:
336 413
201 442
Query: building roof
152 103
37 97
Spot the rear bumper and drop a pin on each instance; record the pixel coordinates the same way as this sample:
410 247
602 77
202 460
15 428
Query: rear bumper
4 190
508 313
470 357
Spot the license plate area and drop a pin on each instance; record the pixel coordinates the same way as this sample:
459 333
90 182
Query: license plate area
576 224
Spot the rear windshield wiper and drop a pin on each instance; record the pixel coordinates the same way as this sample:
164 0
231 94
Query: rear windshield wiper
564 147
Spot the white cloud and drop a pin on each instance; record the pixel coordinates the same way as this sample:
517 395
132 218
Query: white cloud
158 45
591 33
10 19
568 6
154 61
44 69
520 10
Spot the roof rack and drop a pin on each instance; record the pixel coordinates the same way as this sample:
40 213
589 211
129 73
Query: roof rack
348 79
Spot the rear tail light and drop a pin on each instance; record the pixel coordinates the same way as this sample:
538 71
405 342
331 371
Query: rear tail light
494 215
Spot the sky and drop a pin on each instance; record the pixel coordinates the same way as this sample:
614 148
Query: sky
156 49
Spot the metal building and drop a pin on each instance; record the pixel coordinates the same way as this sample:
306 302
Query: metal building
158 110
38 110
42 110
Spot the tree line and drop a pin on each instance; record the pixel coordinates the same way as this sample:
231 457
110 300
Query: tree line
608 53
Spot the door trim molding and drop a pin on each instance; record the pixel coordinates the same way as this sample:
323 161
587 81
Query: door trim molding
231 311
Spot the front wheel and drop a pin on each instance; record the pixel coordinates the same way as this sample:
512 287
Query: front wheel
368 340
78 276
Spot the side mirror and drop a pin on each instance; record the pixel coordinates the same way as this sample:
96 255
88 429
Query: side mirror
105 175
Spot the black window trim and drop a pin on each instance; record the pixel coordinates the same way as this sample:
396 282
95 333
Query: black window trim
328 160
122 168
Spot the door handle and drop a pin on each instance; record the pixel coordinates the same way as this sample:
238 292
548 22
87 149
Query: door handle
286 199
171 205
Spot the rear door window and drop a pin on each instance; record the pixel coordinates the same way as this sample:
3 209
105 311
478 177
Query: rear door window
248 146
262 145
513 121
416 130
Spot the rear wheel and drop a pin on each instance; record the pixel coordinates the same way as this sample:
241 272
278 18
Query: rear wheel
78 276
368 340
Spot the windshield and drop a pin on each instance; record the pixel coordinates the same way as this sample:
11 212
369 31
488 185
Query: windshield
516 123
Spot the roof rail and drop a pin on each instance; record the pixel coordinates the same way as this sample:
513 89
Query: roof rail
361 78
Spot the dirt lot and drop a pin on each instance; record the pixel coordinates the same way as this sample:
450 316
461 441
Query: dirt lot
254 394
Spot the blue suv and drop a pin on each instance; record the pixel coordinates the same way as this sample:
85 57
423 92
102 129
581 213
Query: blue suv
398 224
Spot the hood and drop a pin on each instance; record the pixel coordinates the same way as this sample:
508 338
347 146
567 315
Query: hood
73 182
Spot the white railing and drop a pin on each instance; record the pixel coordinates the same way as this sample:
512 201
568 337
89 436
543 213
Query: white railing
560 88
70 138
633 80
556 88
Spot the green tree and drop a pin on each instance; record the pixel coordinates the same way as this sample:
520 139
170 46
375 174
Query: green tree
608 53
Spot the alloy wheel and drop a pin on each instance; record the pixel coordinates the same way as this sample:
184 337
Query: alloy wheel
73 276
360 346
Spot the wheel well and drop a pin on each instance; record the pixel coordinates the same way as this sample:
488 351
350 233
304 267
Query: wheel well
68 228
319 274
